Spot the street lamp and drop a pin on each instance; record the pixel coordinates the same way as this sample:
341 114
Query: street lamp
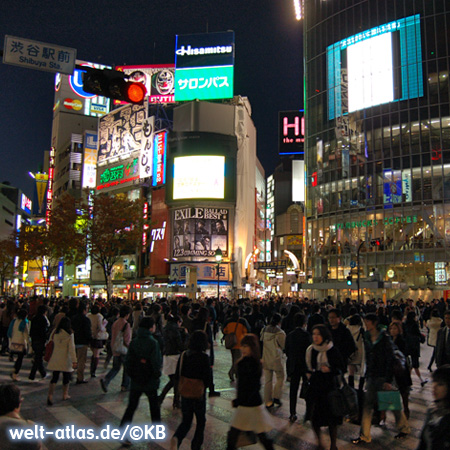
133 268
218 256
357 266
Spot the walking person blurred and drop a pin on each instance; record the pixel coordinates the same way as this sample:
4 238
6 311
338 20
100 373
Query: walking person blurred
324 362
433 325
175 341
379 376
63 359
356 361
435 432
39 329
143 366
240 327
443 342
297 342
193 364
82 331
99 336
413 338
250 415
6 319
120 332
19 340
274 339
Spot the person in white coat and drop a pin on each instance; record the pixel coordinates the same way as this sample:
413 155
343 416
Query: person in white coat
63 359
433 325
273 339
19 340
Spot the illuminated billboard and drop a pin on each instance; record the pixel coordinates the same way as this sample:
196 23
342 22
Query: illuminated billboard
375 67
200 231
204 66
159 80
121 132
71 98
117 175
159 159
26 204
201 166
291 133
90 159
200 176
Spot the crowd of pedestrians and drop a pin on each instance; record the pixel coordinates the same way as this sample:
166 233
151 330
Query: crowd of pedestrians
312 345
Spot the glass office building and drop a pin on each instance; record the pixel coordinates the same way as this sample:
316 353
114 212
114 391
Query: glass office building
378 143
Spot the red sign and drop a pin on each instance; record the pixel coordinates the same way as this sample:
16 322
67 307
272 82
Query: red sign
159 159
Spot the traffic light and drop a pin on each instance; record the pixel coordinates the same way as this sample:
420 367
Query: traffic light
375 242
112 84
349 280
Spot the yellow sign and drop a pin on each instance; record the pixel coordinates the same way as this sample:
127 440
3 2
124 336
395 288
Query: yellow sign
41 186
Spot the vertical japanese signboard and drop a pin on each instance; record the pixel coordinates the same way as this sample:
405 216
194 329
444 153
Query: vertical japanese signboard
159 158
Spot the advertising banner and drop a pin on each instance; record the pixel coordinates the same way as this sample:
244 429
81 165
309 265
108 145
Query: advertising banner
41 187
159 158
159 80
90 159
146 157
204 66
70 97
121 132
291 133
200 231
205 271
119 174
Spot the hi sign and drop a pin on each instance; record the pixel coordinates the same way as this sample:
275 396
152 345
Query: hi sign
39 55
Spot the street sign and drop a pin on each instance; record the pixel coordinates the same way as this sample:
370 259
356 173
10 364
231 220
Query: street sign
39 55
352 264
281 264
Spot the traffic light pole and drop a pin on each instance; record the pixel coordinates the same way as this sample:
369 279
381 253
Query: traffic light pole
357 265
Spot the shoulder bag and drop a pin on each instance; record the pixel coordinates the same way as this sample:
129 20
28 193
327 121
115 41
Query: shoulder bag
118 345
50 346
343 399
192 388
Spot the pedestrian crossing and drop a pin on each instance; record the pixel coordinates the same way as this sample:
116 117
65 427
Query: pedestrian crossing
90 407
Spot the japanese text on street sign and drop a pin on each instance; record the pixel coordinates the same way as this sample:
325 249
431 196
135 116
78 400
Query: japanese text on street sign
39 55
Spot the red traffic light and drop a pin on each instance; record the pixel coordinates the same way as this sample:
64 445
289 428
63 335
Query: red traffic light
135 92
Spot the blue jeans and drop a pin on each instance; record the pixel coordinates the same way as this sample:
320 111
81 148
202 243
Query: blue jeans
117 364
189 407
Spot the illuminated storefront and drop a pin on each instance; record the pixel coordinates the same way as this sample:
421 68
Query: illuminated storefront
378 144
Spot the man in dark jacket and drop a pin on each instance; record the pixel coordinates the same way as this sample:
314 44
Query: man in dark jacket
379 375
40 326
443 342
297 341
81 326
143 364
342 338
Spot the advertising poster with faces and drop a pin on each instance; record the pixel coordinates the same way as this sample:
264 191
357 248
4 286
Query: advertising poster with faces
200 232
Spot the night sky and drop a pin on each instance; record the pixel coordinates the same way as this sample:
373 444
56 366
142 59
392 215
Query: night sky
268 65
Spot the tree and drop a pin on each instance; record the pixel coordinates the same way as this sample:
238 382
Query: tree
114 228
8 251
63 239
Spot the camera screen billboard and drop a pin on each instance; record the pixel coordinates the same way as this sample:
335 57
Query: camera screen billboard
199 176
375 67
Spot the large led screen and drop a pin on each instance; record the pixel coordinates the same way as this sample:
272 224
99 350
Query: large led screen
199 176
375 67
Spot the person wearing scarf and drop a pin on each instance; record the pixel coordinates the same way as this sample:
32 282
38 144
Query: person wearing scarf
324 362
19 340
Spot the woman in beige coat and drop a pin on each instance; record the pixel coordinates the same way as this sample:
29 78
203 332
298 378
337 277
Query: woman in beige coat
63 359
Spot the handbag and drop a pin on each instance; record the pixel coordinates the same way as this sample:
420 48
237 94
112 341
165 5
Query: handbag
304 391
14 347
102 335
231 338
192 388
246 438
50 346
118 345
343 399
389 401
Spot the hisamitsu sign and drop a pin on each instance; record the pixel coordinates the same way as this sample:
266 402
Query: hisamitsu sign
39 55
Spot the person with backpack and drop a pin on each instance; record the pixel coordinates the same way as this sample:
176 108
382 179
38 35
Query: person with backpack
120 341
143 366
238 327
19 340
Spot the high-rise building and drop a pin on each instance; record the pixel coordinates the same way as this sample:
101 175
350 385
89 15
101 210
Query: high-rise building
378 144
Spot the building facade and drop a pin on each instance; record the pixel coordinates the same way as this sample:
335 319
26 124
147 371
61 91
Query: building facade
378 143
